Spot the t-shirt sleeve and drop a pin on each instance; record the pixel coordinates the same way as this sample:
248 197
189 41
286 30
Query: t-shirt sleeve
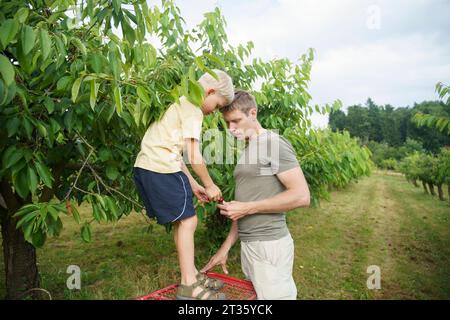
285 159
191 121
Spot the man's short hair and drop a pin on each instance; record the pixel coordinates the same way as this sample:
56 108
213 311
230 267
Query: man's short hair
243 101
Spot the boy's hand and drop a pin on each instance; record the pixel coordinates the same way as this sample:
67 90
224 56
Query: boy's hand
213 193
200 193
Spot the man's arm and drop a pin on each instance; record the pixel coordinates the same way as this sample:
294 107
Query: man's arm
296 195
220 258
199 167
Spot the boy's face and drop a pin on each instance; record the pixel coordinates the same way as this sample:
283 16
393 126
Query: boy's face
241 126
212 102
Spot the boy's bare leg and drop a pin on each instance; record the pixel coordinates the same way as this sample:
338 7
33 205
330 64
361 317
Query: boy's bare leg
184 241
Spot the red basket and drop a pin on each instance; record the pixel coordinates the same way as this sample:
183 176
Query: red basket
234 289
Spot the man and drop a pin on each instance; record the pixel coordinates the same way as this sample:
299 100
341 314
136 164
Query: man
269 182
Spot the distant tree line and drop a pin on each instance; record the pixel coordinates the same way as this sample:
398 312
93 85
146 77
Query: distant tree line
392 127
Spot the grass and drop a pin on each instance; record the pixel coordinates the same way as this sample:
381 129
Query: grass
381 220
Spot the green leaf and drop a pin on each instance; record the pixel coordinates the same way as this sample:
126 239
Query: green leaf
104 154
63 83
42 129
25 209
75 89
215 59
196 93
53 212
27 126
49 104
21 15
21 184
76 214
26 218
97 62
94 91
28 39
86 232
27 229
128 32
12 126
113 207
77 42
117 5
96 212
38 239
44 173
101 200
143 95
7 70
32 179
46 43
11 156
8 31
112 173
118 100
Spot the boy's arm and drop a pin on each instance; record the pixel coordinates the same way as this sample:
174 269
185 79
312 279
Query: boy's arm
186 171
197 189
199 167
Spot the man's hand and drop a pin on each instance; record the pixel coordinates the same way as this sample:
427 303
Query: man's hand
235 210
213 192
200 193
220 258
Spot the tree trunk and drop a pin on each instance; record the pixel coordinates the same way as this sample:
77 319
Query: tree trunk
21 272
441 192
431 186
414 181
448 191
20 262
424 187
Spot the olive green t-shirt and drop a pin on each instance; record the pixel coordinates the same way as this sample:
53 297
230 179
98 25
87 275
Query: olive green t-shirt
256 179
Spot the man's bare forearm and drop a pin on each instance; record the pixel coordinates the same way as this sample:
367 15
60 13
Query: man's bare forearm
232 237
282 202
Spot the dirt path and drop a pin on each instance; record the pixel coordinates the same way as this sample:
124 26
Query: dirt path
384 221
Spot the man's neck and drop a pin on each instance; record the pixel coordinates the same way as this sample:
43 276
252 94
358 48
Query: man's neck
258 131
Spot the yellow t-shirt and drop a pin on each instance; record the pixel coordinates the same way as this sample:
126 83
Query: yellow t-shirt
163 143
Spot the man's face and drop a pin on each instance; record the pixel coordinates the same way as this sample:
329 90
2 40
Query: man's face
241 126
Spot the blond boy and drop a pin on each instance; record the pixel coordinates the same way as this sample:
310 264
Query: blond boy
166 185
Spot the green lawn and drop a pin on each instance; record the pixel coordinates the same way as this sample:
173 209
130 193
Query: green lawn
381 220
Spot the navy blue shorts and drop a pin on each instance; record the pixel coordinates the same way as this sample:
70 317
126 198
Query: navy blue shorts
167 196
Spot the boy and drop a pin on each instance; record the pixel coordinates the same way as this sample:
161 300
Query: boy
166 186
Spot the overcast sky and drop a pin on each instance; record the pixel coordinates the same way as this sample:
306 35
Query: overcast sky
392 51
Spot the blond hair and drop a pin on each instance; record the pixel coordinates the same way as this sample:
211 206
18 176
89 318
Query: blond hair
223 85
243 101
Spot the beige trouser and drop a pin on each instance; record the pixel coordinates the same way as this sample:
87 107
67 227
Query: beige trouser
268 265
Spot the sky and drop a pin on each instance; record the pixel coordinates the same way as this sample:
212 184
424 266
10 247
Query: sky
392 51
